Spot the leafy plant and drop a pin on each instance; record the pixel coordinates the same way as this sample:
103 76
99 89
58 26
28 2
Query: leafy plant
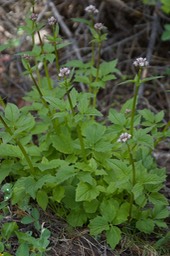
87 171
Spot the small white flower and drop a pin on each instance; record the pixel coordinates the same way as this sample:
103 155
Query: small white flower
64 72
91 9
99 26
124 137
141 62
52 21
127 111
34 16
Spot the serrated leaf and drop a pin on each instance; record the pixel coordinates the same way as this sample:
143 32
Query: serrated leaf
63 142
77 218
113 236
6 168
108 67
91 207
160 212
141 137
65 173
108 209
93 132
42 199
122 214
157 198
148 115
159 116
117 118
145 225
86 192
7 150
58 194
98 225
137 190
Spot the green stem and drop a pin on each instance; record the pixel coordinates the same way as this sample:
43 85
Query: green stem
56 50
137 84
44 62
133 180
78 128
19 145
95 91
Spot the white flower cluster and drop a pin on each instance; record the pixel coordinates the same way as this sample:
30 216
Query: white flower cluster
124 137
91 9
34 16
52 21
141 62
99 26
64 72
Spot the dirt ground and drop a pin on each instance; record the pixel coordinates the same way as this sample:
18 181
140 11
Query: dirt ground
134 30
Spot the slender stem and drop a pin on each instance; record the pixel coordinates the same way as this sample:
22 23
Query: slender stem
95 91
56 50
78 128
133 180
19 145
44 62
137 84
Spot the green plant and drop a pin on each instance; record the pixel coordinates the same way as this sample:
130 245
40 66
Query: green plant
87 171
165 4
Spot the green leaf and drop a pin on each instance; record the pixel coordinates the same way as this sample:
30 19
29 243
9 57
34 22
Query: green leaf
113 236
23 249
122 214
81 20
65 173
77 218
7 150
2 247
58 194
63 142
6 168
108 209
117 118
45 179
24 188
83 104
42 199
29 184
12 113
27 220
91 207
141 137
160 212
108 67
8 229
145 225
93 132
150 78
82 79
159 116
53 164
86 192
108 78
137 190
98 225
78 64
157 198
148 115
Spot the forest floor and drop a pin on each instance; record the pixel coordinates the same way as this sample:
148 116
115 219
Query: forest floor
134 30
